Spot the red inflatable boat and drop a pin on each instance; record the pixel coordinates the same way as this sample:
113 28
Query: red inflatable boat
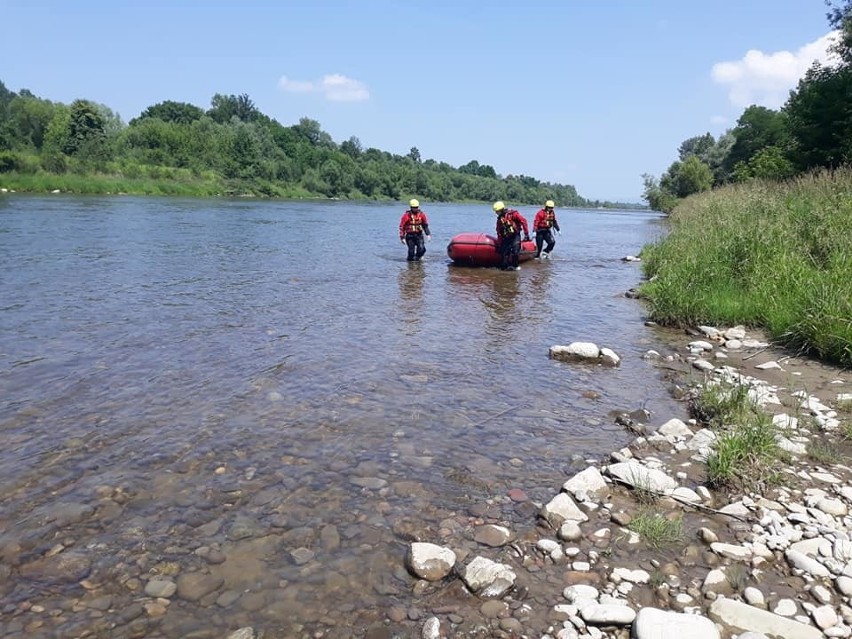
480 249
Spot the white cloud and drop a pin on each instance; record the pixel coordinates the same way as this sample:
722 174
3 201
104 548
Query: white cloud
334 87
295 86
767 78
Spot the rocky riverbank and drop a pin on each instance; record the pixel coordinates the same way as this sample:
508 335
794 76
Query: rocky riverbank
769 562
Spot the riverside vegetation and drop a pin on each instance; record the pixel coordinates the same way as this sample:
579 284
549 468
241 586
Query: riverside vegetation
760 217
773 255
176 148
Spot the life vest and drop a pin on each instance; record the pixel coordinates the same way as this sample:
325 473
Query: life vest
414 224
549 219
508 225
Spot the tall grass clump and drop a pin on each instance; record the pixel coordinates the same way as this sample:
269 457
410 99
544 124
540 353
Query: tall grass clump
746 452
771 255
656 529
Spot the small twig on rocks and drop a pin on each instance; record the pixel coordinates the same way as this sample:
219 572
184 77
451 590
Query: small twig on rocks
708 509
686 502
756 353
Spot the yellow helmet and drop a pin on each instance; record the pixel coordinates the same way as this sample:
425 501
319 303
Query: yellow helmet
413 203
498 206
549 204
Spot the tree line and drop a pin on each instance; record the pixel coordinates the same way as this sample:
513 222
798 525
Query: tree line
244 149
812 130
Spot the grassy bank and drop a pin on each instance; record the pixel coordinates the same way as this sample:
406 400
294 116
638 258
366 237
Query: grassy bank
136 180
775 256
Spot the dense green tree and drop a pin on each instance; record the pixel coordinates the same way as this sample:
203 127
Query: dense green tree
840 18
225 107
686 178
249 151
820 114
171 111
715 157
757 128
86 131
698 145
352 147
29 117
770 163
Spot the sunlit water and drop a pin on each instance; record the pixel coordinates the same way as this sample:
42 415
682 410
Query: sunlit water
259 377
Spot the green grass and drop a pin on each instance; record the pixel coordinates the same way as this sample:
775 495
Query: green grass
746 452
737 575
771 255
125 177
823 452
718 404
656 529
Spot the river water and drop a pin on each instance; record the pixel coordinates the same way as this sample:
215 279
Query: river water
264 401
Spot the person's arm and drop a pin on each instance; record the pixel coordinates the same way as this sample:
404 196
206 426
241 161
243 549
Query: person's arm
426 225
539 217
524 224
556 224
402 222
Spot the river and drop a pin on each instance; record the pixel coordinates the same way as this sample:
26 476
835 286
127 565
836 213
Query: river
269 397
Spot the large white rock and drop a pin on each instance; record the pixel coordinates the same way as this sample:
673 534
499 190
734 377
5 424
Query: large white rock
562 508
652 623
803 562
487 578
576 352
429 561
675 428
704 438
587 482
731 551
608 615
637 576
741 617
635 474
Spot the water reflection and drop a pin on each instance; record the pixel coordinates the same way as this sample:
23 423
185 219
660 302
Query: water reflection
493 296
411 280
540 284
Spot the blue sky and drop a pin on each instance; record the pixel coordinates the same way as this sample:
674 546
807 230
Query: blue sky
591 93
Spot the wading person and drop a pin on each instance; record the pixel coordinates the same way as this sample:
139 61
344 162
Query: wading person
509 225
543 226
412 227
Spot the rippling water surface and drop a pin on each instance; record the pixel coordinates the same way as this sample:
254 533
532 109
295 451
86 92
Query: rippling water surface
268 393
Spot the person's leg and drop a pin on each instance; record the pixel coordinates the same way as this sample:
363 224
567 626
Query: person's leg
505 248
550 242
412 245
516 250
539 240
421 247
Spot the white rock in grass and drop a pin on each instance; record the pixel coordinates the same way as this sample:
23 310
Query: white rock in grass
675 428
635 474
735 332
